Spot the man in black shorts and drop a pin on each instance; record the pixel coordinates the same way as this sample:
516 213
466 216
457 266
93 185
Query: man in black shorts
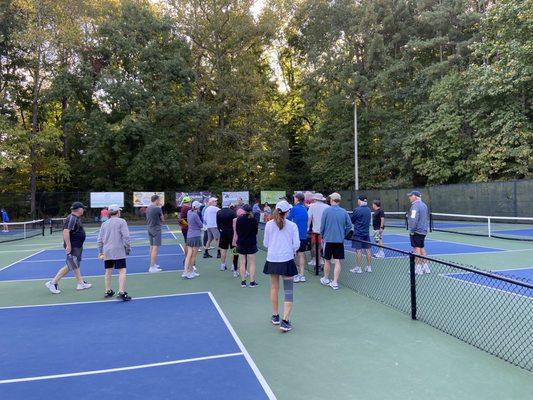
114 245
378 225
73 239
418 223
225 218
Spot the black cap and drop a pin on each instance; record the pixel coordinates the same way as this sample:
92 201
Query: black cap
77 205
362 197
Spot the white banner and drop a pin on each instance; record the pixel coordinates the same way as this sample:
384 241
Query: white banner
144 199
105 199
231 197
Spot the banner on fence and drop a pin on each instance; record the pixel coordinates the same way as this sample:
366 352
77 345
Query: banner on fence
194 196
105 199
272 196
231 197
144 199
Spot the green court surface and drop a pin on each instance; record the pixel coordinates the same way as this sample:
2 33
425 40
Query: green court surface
343 345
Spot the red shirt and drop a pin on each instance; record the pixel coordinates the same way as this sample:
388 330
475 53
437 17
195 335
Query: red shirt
104 213
182 220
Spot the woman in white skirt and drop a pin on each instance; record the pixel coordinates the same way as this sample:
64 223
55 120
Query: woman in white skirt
282 240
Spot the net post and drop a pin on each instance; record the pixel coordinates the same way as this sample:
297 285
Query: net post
317 253
431 222
488 222
413 285
24 230
42 227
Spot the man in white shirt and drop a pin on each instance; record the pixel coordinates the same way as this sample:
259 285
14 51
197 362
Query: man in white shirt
210 219
316 209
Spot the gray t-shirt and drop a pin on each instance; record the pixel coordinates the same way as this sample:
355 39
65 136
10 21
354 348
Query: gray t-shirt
153 218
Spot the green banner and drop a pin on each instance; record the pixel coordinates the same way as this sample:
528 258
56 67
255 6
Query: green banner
272 196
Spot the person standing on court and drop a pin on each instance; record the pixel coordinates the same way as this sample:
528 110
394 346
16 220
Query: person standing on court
418 224
256 210
282 240
247 228
182 221
5 220
316 209
225 227
73 239
361 217
298 215
154 221
334 227
114 245
194 240
104 214
378 225
210 220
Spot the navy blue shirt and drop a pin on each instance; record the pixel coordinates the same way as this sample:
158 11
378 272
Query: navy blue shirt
361 217
77 233
298 215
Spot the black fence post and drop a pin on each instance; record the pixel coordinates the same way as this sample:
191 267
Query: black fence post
413 284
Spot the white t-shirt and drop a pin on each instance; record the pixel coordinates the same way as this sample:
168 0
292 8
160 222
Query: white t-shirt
210 216
315 215
281 244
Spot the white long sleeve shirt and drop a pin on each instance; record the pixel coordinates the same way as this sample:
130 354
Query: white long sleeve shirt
210 216
281 244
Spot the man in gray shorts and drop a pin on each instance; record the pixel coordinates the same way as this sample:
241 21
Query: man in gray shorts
73 239
210 219
154 221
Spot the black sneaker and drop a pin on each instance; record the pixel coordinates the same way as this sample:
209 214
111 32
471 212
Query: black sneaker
285 326
275 319
254 284
124 296
109 293
243 284
207 255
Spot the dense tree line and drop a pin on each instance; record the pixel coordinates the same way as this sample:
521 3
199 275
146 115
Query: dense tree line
197 94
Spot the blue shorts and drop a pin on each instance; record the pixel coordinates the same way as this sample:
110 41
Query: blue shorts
359 245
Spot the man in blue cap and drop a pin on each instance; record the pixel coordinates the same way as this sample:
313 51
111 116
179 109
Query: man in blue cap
418 223
361 217
73 239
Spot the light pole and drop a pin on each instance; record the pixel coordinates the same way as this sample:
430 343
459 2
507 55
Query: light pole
355 147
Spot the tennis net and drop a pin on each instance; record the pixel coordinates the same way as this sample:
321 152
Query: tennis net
56 224
21 230
515 228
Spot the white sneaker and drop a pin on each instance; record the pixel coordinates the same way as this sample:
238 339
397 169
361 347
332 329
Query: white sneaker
184 275
324 281
302 278
194 267
368 268
312 262
154 269
333 285
196 274
356 270
379 255
223 267
425 269
418 270
236 274
190 275
296 278
51 287
83 286
247 274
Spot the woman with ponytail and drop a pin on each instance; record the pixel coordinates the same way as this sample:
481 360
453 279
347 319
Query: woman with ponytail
282 241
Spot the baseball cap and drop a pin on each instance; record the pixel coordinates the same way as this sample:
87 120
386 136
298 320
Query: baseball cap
335 196
77 205
283 206
362 197
213 199
414 193
186 199
319 196
114 208
196 204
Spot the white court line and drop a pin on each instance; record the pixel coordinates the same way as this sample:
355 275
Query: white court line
17 251
96 258
93 276
104 301
16 262
172 233
251 362
105 371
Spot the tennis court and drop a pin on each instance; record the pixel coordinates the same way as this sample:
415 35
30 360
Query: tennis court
174 340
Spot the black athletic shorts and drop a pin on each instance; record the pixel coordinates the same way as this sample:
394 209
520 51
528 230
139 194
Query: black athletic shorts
117 264
417 240
226 238
334 250
304 246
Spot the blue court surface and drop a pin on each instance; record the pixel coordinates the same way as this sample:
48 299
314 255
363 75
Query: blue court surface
161 347
515 232
433 247
136 233
525 274
44 264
